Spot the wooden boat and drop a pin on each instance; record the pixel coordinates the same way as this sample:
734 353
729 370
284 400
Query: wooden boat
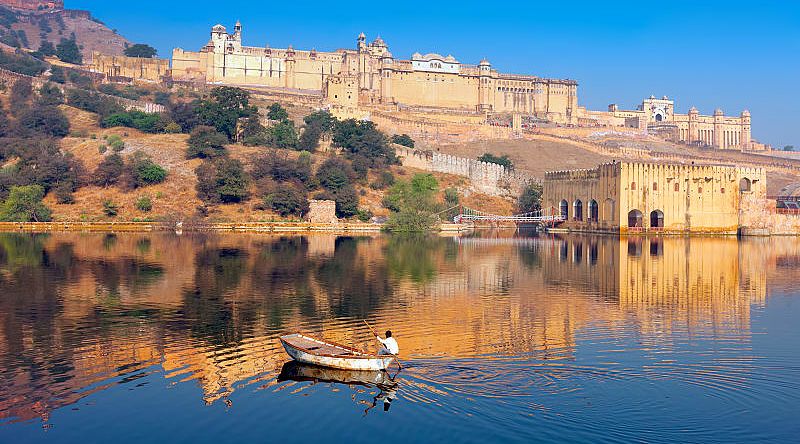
315 351
296 371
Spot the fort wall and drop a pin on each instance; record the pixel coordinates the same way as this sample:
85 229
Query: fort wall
488 178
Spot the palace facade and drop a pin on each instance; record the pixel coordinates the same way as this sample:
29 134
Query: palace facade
370 75
636 197
658 116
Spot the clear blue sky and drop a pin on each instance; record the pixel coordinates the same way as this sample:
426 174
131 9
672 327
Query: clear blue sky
733 55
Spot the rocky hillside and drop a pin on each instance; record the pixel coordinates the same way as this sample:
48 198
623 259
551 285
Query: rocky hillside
27 29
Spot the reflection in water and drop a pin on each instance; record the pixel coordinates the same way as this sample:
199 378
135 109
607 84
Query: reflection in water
479 319
381 380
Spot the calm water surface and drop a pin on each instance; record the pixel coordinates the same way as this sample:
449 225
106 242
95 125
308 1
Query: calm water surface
157 337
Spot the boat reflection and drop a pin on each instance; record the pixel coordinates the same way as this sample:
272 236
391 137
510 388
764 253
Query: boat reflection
383 381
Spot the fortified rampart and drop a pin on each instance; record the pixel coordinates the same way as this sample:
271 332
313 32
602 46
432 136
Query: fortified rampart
9 77
485 177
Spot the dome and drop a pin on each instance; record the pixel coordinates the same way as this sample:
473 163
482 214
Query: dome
387 55
379 42
362 36
665 98
718 112
746 113
218 28
693 110
484 62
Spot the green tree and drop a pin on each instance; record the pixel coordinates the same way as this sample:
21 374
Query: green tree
68 51
403 139
277 112
24 204
57 75
788 148
206 142
309 140
413 204
531 198
50 95
185 114
142 171
287 200
109 171
283 135
21 94
363 138
140 50
503 160
335 174
46 49
223 109
222 180
44 120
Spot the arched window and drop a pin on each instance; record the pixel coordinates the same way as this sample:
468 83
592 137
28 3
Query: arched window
745 185
594 211
657 219
577 210
635 219
633 185
564 209
677 186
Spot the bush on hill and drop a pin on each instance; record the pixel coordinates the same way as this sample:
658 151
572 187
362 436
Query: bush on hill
109 171
22 64
141 171
206 142
222 180
363 138
146 122
69 51
43 120
403 139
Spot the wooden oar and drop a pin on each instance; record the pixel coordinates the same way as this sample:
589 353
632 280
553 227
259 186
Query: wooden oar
376 336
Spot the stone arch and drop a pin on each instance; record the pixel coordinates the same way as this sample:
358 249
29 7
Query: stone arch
745 185
577 210
594 211
563 209
635 219
657 219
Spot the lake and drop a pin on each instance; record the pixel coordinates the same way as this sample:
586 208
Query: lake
504 337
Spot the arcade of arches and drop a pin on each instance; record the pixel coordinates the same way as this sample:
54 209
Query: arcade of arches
638 197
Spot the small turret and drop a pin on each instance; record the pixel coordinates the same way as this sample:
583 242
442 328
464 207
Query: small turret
718 112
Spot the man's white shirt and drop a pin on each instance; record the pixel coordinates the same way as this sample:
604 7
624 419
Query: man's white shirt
390 344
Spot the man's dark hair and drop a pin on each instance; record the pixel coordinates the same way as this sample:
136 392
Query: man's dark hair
388 333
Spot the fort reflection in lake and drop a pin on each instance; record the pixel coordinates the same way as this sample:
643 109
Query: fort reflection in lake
502 336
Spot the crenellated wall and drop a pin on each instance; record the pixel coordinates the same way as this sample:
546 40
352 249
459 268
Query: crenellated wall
485 177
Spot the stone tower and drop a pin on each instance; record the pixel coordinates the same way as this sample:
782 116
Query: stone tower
485 71
745 141
386 73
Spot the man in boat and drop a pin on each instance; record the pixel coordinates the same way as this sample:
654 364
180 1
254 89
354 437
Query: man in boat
390 346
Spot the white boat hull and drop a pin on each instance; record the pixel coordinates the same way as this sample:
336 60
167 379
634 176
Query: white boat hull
350 362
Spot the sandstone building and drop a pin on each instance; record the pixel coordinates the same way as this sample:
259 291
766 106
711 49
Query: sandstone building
658 116
127 69
635 197
370 75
